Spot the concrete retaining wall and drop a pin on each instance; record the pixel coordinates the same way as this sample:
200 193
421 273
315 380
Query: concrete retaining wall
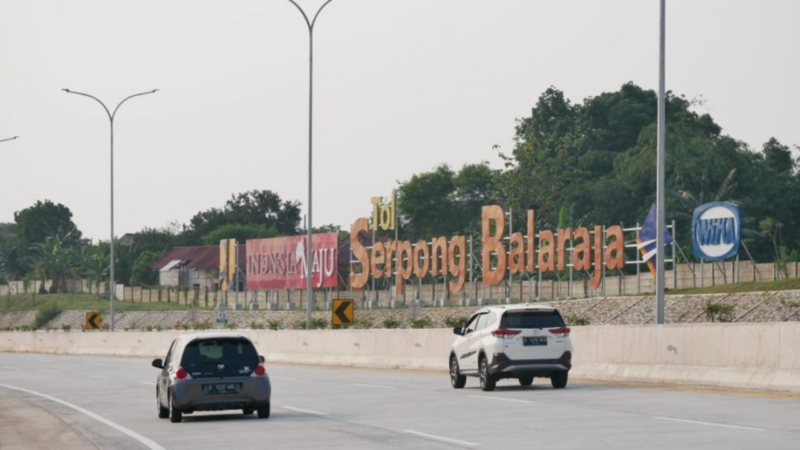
743 356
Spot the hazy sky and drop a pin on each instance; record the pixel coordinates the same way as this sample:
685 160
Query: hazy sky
400 86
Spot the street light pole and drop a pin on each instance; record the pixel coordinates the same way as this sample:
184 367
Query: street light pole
660 177
309 246
111 115
9 139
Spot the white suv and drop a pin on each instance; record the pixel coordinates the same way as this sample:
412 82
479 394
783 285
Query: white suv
514 341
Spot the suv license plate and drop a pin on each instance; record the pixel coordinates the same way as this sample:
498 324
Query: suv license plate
534 341
222 388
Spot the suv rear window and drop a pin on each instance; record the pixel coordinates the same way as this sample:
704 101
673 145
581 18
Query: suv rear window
219 357
531 319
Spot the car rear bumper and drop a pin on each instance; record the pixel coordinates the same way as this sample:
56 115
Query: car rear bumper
502 365
189 395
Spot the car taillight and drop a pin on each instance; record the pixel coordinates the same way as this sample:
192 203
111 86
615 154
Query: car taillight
260 371
505 332
180 373
560 332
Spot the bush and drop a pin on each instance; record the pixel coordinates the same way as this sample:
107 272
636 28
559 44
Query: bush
718 312
45 315
148 328
65 327
255 325
363 323
273 324
576 320
422 322
316 324
391 322
455 321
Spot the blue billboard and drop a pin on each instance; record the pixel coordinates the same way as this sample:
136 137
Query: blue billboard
716 231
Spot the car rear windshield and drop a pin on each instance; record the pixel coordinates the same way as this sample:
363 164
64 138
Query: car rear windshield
532 319
220 356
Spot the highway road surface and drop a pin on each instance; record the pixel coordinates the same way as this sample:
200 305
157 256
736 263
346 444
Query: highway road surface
70 402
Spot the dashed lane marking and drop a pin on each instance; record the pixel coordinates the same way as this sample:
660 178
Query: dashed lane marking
441 438
710 424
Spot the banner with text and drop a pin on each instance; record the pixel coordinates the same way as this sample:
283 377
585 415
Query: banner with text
280 263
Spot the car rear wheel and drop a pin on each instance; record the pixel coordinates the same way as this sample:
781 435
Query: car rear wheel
176 415
456 379
559 379
263 411
163 413
525 381
488 382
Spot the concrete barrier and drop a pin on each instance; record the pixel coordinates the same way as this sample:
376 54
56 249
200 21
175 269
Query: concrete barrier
742 356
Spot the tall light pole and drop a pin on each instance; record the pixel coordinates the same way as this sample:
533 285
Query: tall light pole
9 139
112 287
309 247
660 177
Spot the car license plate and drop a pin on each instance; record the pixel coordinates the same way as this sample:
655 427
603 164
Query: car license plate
222 388
534 341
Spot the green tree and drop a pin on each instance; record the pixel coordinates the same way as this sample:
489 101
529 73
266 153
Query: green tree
44 220
239 232
142 273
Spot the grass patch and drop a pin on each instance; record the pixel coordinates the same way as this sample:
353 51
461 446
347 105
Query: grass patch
23 302
751 286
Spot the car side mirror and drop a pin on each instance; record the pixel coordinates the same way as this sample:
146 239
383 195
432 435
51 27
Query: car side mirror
261 359
458 330
158 364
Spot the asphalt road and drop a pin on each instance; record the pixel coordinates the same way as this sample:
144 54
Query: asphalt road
71 402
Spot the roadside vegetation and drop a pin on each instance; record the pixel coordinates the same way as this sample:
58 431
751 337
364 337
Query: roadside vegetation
752 286
64 302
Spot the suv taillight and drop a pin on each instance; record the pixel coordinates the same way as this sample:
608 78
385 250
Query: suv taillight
180 373
260 371
505 332
560 332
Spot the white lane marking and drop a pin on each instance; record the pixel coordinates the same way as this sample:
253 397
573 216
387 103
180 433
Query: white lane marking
11 368
379 386
710 424
440 438
306 411
99 377
145 441
501 398
147 383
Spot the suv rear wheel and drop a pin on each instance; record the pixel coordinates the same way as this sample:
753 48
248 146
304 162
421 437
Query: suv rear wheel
263 411
456 379
488 382
559 379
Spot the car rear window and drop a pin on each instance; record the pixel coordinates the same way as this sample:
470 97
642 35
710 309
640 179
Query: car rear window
532 319
222 356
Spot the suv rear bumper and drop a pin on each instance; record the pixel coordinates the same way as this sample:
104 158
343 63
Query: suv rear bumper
503 366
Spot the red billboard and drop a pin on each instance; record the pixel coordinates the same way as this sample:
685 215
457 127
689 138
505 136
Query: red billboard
280 263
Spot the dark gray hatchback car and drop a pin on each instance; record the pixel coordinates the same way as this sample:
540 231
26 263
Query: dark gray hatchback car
212 371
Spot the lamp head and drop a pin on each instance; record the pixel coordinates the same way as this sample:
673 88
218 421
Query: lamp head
65 90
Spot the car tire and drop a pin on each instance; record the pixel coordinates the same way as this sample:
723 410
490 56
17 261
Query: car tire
457 380
248 411
263 411
488 382
559 379
525 381
163 413
176 415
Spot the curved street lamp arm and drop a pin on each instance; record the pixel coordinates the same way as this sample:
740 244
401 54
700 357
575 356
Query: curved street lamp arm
130 97
110 117
9 139
319 11
308 22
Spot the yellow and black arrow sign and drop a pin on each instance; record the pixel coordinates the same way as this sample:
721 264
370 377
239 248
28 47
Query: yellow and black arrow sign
94 321
342 312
